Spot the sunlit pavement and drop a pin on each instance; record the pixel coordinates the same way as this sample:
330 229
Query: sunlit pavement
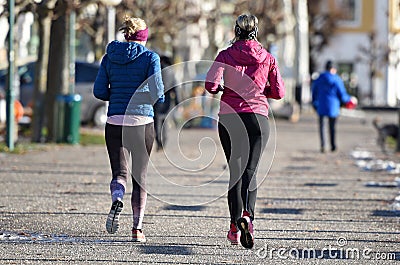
312 207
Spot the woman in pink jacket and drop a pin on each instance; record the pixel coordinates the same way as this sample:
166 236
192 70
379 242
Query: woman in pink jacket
250 76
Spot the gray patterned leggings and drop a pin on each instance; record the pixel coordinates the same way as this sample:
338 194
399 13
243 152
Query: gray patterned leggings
133 142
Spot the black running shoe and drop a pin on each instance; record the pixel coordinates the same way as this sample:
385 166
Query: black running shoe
246 232
112 218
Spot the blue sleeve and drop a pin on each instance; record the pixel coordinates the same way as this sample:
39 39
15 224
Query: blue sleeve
314 93
342 93
156 84
101 85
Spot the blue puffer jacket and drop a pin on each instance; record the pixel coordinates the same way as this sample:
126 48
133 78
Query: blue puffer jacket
130 79
328 92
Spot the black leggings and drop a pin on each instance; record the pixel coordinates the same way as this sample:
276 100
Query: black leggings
243 137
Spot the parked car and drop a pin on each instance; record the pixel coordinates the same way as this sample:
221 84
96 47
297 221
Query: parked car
93 110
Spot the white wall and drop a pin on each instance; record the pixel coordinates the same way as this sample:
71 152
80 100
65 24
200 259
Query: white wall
382 33
393 72
345 48
3 46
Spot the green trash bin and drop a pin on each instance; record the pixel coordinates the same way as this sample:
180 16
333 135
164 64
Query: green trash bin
69 118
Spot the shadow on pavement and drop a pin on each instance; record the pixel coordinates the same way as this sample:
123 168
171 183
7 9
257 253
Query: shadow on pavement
282 211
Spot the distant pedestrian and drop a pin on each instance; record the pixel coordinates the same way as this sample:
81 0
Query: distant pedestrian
328 93
162 109
250 76
130 79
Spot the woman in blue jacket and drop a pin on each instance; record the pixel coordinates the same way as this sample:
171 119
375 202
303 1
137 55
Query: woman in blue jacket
130 79
328 93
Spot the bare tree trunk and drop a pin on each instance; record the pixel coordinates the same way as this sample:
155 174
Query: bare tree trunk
57 82
398 134
41 73
99 38
45 13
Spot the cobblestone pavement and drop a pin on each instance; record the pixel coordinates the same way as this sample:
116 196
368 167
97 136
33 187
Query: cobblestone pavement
312 208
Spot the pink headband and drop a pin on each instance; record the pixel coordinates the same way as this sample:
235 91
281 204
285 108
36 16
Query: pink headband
140 35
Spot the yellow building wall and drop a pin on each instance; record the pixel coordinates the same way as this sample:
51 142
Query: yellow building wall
367 16
394 16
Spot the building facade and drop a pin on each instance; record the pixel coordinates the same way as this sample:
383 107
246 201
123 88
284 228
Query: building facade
366 47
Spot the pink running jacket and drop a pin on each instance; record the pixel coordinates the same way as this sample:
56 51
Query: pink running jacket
249 75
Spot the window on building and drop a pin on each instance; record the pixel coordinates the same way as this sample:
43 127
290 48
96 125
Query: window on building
349 12
346 72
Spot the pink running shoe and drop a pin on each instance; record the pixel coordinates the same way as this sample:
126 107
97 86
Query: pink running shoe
138 236
246 232
233 235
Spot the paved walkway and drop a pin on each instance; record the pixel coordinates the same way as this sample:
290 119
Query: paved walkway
312 208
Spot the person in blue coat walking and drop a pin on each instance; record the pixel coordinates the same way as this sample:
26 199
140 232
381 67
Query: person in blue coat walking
130 79
328 94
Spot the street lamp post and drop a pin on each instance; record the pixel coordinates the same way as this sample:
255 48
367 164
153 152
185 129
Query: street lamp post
111 18
398 134
10 90
110 23
72 56
110 5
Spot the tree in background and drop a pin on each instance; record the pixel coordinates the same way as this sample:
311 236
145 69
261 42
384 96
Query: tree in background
51 73
376 56
322 26
167 20
44 13
269 13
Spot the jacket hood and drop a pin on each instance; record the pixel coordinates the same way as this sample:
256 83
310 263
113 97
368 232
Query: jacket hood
247 52
124 52
328 77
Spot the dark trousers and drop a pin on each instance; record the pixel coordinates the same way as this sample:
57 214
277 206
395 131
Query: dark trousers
332 129
243 137
160 129
123 143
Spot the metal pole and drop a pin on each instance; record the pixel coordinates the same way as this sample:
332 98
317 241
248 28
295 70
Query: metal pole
10 90
110 28
303 58
110 23
72 22
398 134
